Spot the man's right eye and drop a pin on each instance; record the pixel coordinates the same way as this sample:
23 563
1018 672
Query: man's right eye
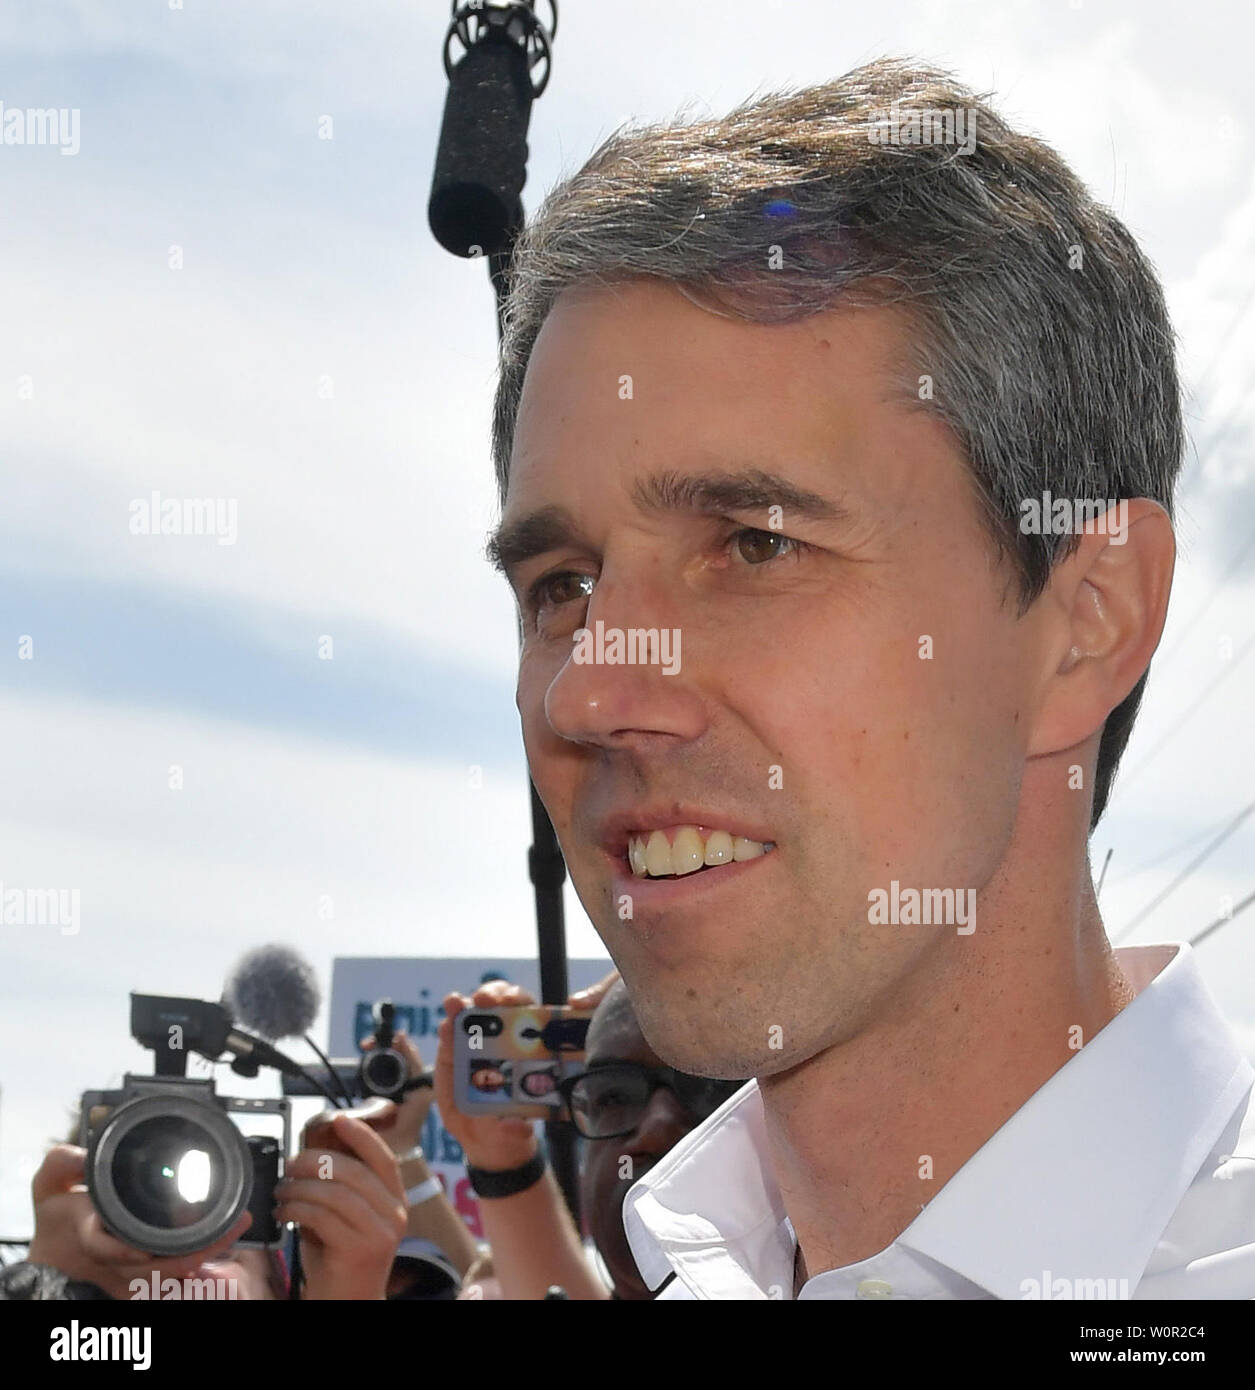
558 589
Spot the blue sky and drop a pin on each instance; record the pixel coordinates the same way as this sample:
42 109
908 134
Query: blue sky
321 360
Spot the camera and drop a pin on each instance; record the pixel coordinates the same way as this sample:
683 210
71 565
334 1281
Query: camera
167 1168
382 1072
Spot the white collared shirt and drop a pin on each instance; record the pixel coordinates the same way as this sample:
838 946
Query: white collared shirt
1129 1174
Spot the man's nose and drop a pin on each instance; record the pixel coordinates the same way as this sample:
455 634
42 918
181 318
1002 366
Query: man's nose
626 679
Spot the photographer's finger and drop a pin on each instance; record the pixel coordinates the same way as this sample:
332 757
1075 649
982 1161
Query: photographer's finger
453 1005
344 1221
408 1049
327 1169
97 1244
364 1193
62 1169
444 1032
319 1219
442 1073
502 994
373 1150
592 996
324 1165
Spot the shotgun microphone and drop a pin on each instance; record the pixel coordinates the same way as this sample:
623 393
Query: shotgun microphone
481 161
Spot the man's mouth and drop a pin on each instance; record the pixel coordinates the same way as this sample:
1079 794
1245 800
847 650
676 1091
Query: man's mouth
679 850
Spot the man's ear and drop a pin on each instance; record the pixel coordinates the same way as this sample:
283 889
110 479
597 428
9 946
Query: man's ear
1103 610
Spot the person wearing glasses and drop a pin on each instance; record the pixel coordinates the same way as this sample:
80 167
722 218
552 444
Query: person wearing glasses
631 1110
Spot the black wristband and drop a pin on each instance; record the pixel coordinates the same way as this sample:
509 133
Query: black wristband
489 1184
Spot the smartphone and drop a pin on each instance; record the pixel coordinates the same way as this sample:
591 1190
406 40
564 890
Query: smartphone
510 1062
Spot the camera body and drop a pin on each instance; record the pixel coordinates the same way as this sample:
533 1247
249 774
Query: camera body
383 1072
167 1168
170 1172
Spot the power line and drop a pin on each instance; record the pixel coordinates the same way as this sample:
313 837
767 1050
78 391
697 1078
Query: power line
1209 600
1212 447
1230 667
1187 871
1188 628
1102 877
1220 921
1156 859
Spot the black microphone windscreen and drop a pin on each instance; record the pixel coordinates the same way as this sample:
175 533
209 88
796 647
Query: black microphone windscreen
481 161
273 991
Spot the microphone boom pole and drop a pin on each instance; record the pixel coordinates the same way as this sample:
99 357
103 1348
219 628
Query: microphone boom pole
476 211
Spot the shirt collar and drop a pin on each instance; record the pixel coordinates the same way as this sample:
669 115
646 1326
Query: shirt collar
1146 1100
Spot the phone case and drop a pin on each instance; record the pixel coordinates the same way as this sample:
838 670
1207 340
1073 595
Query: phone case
509 1062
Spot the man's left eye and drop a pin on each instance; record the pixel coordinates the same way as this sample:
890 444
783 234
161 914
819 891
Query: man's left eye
562 587
756 547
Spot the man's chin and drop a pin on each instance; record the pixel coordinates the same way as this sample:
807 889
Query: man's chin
712 1052
719 1041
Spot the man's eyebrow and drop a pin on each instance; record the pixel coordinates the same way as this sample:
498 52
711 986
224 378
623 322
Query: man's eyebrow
749 491
712 493
514 542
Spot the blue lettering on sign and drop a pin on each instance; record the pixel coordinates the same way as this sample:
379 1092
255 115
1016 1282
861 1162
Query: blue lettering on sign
418 1020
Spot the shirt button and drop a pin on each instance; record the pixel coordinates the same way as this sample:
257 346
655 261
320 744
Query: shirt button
873 1288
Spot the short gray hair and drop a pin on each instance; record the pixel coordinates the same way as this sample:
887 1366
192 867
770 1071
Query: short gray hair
1039 320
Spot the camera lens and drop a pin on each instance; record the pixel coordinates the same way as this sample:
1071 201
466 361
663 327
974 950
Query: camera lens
169 1174
383 1072
164 1171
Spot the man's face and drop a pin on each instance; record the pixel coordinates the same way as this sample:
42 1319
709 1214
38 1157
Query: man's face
850 688
611 1166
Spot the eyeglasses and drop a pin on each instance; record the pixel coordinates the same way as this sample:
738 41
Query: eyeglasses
609 1101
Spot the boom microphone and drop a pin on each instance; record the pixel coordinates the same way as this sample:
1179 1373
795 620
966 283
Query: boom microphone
273 991
481 160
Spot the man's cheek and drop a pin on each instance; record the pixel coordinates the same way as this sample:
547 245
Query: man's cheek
530 698
530 689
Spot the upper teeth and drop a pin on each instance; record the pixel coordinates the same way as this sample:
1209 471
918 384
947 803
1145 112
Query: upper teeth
652 855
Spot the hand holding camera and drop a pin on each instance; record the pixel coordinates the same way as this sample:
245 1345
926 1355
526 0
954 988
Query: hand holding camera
344 1190
495 1144
70 1237
504 1140
404 1132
